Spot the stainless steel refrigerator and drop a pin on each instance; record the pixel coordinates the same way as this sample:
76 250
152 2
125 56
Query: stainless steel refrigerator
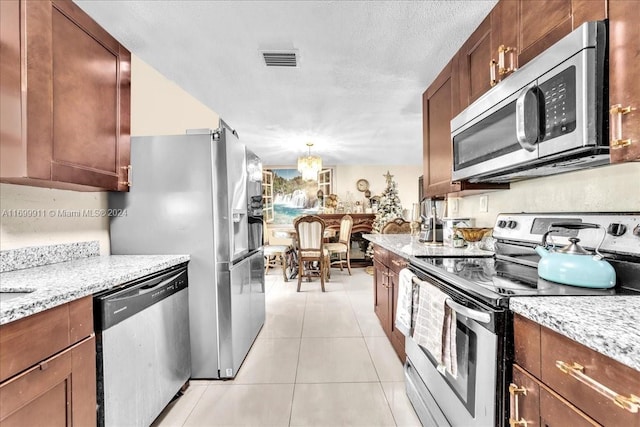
201 194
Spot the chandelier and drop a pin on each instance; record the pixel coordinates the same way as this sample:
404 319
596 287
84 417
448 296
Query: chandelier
309 165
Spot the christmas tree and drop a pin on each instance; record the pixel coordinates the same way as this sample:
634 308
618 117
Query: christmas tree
389 209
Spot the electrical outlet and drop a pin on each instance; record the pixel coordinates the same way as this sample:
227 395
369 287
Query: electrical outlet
484 203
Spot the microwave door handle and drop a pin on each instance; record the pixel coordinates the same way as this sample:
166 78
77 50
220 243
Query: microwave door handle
528 118
479 316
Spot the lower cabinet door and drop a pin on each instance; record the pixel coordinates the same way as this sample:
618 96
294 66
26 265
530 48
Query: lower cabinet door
557 412
382 302
60 391
524 399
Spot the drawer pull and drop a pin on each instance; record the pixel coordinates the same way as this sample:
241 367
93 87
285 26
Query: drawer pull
514 417
399 263
631 403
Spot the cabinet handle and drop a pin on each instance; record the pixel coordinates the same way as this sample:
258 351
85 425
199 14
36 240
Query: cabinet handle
397 263
575 370
514 409
502 69
492 73
128 172
616 112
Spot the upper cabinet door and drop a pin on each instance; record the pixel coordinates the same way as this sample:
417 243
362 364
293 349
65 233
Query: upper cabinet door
542 23
475 62
436 128
489 55
76 107
90 138
624 80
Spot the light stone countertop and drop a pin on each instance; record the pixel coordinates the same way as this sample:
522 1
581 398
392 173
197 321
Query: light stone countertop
57 284
606 324
406 246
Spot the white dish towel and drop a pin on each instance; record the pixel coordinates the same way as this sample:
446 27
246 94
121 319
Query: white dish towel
435 328
405 302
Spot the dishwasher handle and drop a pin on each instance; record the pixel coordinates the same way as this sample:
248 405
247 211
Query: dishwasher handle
112 309
150 287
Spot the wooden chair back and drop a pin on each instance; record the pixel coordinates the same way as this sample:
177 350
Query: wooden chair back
346 225
310 235
396 226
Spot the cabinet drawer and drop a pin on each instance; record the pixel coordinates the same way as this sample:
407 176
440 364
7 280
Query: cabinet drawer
613 375
397 263
557 412
381 255
526 342
27 341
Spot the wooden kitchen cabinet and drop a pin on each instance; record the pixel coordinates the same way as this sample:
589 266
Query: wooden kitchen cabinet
387 266
544 22
440 102
563 399
474 61
624 80
489 54
71 120
48 368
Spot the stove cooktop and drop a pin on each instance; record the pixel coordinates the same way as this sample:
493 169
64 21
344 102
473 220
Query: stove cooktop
513 272
495 281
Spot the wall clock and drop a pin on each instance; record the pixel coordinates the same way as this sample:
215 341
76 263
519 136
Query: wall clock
362 184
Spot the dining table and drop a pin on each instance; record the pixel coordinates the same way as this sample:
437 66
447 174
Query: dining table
292 256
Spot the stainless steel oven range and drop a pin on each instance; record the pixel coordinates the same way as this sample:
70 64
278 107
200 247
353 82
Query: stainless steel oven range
478 290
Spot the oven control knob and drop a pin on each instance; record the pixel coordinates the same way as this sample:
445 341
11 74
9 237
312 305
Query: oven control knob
512 224
616 229
502 223
636 230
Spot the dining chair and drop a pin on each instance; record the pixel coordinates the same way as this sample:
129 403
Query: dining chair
343 246
310 247
396 226
276 255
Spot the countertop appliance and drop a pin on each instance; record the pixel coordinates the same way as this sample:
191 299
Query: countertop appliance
142 330
548 117
431 213
479 289
201 194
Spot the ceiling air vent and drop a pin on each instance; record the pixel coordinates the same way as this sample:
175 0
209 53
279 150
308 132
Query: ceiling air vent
280 58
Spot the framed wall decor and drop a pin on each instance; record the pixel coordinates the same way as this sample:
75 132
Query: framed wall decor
292 196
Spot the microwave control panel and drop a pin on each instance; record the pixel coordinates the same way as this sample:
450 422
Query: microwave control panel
559 103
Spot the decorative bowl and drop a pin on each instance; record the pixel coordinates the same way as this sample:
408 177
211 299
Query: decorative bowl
472 234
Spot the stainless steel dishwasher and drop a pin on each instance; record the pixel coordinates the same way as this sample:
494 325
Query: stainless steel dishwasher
143 348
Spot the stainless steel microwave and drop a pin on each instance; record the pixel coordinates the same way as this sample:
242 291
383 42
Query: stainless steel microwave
548 117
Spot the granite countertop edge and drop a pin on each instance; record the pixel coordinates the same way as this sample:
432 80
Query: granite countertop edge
601 323
56 284
407 246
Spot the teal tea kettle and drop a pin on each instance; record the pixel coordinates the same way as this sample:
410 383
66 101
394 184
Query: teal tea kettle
572 264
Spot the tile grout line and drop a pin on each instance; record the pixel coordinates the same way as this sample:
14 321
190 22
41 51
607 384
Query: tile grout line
295 377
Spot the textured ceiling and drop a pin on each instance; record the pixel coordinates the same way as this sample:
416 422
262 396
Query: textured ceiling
356 93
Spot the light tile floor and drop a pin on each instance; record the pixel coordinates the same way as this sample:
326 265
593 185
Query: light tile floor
321 359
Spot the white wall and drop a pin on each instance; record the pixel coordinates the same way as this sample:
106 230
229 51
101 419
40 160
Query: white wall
614 188
161 107
158 106
49 225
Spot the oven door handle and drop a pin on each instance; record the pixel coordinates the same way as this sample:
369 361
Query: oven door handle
479 316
